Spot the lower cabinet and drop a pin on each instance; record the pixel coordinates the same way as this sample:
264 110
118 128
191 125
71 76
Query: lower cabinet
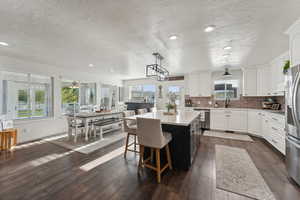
254 122
229 120
260 123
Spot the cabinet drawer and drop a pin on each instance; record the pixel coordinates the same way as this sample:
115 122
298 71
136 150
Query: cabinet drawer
277 141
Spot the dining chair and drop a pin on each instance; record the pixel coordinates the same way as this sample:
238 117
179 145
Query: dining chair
75 125
130 128
150 134
142 111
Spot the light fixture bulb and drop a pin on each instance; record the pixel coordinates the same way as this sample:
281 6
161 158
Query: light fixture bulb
91 65
210 28
4 44
227 47
173 37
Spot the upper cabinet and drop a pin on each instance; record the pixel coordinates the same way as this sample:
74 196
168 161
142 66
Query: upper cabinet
277 76
294 34
198 84
250 82
263 81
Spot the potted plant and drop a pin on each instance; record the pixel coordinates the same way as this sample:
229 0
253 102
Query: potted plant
286 66
170 106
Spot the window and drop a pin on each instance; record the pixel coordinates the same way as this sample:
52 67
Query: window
26 96
87 94
141 93
226 89
175 91
70 97
77 96
109 96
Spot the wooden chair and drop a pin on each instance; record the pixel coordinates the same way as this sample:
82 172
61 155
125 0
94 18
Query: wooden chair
142 111
6 137
130 128
150 135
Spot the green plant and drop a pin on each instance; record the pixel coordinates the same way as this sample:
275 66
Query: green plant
286 66
170 106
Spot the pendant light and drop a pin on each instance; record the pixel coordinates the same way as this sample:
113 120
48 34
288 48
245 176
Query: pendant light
226 73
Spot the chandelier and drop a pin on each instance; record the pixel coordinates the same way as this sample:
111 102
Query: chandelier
156 70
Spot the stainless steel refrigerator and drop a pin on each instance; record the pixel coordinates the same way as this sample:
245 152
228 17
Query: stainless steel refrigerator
292 114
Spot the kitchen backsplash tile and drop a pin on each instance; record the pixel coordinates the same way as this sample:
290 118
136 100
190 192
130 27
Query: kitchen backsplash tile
243 102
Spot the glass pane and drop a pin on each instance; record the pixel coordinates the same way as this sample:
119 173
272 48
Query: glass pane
149 93
23 109
87 93
105 97
70 97
174 94
40 100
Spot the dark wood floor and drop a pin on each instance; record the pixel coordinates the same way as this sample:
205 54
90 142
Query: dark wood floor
46 171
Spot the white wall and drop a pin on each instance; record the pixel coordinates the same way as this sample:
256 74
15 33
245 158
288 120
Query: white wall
34 129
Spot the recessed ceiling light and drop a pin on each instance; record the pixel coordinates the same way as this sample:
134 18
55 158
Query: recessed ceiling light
173 37
91 65
227 47
210 28
3 44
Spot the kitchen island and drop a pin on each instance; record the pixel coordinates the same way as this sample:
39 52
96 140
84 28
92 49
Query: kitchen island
185 130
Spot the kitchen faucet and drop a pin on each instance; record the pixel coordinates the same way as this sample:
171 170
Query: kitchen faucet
227 101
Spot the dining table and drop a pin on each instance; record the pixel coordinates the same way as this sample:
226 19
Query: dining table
88 118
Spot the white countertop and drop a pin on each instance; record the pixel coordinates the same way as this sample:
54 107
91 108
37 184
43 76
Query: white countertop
279 112
182 118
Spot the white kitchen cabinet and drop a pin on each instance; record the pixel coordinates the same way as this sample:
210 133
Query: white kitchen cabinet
254 122
250 82
218 120
277 76
294 35
199 84
265 126
237 120
263 81
229 120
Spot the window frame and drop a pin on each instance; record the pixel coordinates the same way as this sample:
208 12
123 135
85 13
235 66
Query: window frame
226 90
29 86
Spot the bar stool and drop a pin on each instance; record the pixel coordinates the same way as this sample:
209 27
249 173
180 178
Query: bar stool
150 135
6 137
130 128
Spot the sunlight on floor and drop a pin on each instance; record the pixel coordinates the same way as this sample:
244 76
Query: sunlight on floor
103 159
48 158
30 144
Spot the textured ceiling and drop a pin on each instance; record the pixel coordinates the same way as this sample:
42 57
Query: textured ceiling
119 36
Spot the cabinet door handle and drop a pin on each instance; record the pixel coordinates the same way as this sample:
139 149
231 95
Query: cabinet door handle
274 119
274 128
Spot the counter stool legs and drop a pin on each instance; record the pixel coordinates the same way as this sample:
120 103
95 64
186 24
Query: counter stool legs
144 162
158 172
127 144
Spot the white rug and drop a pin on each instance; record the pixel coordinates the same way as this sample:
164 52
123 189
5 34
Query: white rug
236 173
232 136
224 195
90 146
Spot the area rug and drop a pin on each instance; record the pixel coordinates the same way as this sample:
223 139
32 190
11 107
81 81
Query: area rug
89 146
225 195
232 136
236 173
